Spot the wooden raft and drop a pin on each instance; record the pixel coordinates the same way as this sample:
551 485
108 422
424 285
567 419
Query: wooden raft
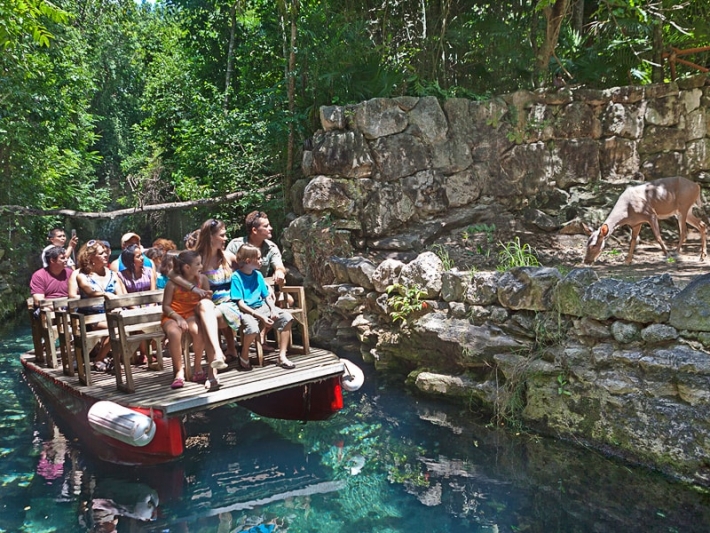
153 387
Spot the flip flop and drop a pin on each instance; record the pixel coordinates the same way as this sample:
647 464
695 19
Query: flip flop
178 383
211 385
244 365
219 364
285 363
199 377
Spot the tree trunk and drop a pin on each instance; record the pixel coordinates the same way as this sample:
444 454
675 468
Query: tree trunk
657 68
554 17
230 54
110 215
291 105
578 16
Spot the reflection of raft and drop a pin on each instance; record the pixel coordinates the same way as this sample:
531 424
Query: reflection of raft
311 391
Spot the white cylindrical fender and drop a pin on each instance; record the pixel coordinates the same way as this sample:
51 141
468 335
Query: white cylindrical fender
353 378
121 423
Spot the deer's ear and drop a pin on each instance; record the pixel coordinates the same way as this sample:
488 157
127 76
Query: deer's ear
587 230
604 230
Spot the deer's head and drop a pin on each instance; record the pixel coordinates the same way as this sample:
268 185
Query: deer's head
595 244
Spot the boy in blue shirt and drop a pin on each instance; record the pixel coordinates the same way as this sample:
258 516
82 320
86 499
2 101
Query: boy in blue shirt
251 293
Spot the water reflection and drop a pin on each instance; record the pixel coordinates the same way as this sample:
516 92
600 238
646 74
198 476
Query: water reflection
389 462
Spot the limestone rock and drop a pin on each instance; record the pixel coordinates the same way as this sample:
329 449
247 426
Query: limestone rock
454 285
690 308
624 332
483 288
568 293
386 274
528 288
429 120
360 271
455 386
625 121
388 208
327 194
332 117
399 155
380 117
646 301
424 272
343 153
659 333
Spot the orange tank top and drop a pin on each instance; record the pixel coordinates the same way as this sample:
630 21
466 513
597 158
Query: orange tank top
184 303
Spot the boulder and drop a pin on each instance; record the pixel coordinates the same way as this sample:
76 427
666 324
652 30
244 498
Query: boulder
454 284
332 117
379 117
330 195
424 272
690 308
428 120
360 271
567 294
342 153
483 288
386 274
398 156
528 288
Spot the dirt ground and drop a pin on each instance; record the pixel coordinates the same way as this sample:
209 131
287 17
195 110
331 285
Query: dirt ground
479 247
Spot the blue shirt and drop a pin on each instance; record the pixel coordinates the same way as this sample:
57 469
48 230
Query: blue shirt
251 289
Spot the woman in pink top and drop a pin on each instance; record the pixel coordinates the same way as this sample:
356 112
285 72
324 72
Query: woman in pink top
136 276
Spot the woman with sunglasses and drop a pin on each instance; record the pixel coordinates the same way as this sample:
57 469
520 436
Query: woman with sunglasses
94 278
220 311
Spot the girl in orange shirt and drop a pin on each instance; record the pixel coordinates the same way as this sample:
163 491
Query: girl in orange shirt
179 316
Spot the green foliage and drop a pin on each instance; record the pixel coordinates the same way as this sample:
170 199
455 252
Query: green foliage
405 301
443 253
561 386
513 254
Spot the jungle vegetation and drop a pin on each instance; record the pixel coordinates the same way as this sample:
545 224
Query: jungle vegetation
113 104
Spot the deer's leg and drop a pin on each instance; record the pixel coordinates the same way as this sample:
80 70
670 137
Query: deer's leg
657 233
635 230
682 231
702 228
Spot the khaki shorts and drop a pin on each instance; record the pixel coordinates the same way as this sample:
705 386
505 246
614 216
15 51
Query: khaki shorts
251 324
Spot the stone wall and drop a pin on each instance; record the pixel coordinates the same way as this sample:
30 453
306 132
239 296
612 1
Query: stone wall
391 175
621 366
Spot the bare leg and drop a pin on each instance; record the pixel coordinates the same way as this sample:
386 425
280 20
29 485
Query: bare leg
198 344
174 334
283 346
206 312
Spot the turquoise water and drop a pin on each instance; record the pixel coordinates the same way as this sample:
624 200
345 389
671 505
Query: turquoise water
389 462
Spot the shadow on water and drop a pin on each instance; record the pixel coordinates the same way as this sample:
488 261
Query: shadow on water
389 462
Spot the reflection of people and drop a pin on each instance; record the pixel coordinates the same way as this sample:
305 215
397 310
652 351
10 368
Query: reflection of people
113 499
254 524
51 459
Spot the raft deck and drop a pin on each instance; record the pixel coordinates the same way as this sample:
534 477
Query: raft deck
153 386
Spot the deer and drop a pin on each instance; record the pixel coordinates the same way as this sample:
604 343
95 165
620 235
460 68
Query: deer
647 204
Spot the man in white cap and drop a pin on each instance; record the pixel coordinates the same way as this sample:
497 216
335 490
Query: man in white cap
127 240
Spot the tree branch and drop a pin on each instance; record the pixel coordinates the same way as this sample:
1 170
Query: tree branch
110 215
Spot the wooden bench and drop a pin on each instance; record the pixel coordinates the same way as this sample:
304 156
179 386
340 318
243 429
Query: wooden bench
86 334
299 311
134 319
46 328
